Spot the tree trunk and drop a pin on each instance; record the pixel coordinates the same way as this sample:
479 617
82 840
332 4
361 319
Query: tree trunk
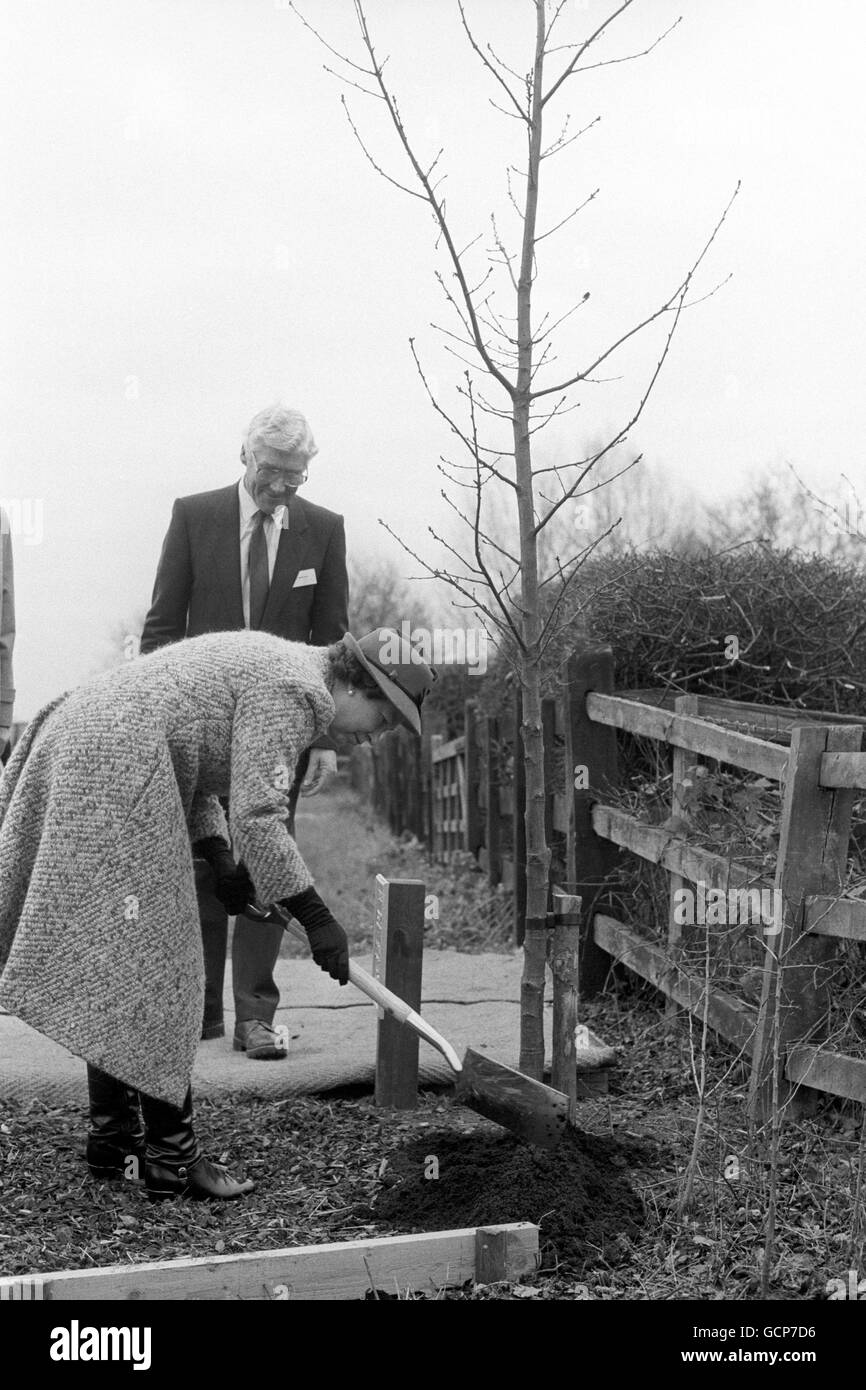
537 851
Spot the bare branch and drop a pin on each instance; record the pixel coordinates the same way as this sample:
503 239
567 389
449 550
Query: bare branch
541 235
578 561
582 49
488 540
627 57
477 527
413 193
505 255
475 571
341 77
540 337
549 415
572 492
502 111
491 69
557 12
511 198
447 418
341 56
435 204
562 144
455 581
674 304
829 511
470 244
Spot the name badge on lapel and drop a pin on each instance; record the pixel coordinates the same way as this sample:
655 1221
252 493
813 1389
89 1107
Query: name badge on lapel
304 577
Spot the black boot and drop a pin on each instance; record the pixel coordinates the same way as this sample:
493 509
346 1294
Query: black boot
115 1135
174 1164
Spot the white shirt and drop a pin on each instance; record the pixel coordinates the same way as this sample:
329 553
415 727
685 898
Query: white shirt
272 527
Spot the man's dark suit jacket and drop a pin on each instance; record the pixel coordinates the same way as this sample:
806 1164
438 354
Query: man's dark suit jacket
198 580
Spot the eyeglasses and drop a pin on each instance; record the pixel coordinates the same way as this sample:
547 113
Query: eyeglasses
266 475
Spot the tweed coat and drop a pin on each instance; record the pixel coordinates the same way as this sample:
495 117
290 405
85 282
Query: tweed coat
106 789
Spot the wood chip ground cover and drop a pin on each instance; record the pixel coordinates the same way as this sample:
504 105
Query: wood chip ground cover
338 1169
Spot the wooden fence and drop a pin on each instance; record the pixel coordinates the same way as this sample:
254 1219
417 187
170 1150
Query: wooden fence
469 797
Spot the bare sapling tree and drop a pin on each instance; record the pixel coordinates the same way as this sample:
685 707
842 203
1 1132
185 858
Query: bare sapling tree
511 388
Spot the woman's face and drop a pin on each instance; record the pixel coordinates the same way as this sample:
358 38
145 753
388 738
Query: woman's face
362 715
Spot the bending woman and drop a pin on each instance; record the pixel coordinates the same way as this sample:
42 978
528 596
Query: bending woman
102 800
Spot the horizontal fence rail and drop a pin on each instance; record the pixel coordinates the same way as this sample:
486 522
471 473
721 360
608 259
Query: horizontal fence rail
659 846
696 735
843 918
732 1018
844 770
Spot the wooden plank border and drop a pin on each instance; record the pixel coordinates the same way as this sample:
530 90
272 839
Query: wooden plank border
684 731
347 1270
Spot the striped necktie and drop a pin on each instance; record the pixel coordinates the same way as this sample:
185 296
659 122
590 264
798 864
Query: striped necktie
260 580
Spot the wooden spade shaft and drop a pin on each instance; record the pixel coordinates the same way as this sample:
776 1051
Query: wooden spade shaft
530 1109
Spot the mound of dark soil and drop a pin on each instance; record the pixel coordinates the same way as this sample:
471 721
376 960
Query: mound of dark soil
579 1194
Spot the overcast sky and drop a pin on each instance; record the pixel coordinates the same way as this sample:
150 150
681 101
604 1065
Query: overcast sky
191 231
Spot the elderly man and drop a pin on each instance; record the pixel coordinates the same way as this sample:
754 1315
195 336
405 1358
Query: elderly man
7 634
253 555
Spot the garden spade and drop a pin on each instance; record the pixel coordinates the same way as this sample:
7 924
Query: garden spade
530 1109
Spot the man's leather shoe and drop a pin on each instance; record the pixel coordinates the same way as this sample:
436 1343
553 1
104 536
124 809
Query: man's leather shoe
260 1041
200 1181
212 1030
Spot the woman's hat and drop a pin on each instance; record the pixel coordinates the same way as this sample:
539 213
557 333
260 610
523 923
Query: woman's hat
399 672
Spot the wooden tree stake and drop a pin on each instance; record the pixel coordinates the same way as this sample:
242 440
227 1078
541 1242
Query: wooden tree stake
398 948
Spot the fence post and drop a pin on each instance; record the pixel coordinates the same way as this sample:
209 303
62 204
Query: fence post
519 821
684 764
472 758
435 800
564 965
416 789
398 955
494 814
426 809
813 851
594 769
378 770
392 753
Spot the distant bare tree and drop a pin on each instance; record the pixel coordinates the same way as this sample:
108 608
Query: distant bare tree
781 510
380 595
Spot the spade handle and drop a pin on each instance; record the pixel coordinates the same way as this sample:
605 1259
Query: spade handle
367 984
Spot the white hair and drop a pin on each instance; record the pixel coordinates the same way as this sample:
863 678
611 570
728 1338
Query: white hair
282 428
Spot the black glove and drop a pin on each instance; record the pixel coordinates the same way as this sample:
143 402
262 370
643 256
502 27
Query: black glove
232 884
328 941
